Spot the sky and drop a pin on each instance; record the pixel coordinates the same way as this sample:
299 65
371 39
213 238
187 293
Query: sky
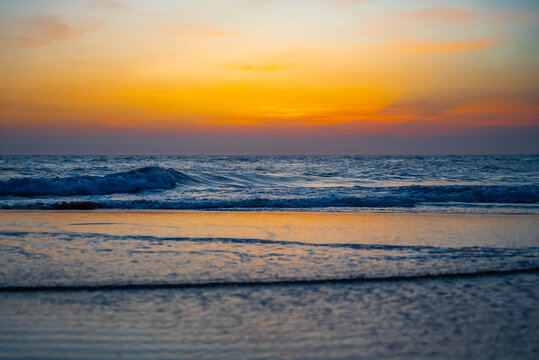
269 77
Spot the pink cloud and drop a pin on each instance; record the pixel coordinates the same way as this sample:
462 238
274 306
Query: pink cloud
440 14
257 68
193 30
353 2
39 31
433 47
108 4
414 46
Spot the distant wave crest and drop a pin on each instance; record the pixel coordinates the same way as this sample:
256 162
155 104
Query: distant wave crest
525 194
396 197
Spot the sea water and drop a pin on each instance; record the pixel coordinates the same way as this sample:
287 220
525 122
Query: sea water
433 184
330 257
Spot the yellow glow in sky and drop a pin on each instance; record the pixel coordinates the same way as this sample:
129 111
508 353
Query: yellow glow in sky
318 66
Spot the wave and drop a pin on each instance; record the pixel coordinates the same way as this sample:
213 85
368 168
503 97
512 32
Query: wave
244 191
290 282
505 194
398 262
410 197
424 249
146 178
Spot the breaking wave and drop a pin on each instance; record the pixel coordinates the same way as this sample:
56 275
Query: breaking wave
207 187
147 178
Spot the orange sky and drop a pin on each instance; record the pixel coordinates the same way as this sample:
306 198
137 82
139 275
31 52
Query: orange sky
257 67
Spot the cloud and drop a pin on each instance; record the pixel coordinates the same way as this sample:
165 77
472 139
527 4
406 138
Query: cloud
445 14
415 109
108 4
413 46
441 14
500 105
353 2
262 2
39 31
464 112
193 30
257 68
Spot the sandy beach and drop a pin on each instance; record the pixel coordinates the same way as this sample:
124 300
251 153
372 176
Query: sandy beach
184 284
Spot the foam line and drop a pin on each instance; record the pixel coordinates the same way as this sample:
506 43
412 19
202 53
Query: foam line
157 286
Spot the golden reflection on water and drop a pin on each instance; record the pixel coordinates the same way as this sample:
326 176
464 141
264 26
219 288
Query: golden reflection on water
360 228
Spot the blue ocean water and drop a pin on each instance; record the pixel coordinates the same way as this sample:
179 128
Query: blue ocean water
432 184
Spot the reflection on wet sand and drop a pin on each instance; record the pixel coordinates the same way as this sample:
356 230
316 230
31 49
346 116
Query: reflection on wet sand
361 228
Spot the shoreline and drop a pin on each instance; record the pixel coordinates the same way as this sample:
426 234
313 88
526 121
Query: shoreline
300 282
264 211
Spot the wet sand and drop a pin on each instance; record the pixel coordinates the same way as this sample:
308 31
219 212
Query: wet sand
426 286
312 227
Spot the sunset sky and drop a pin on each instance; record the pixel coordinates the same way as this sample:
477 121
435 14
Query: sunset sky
269 76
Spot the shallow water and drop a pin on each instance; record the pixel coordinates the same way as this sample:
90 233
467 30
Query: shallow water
359 257
255 285
493 317
115 249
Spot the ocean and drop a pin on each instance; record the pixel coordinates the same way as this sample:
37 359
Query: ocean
269 257
427 184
